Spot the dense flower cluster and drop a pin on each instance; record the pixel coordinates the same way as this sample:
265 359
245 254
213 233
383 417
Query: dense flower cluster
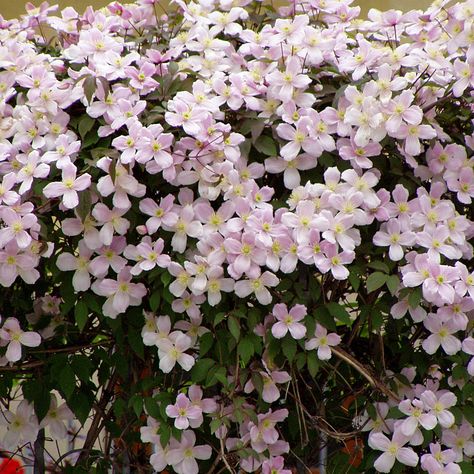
250 194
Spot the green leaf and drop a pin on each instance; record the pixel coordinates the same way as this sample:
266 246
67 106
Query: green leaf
154 300
206 341
41 401
89 85
377 265
414 298
81 314
392 283
266 145
466 467
339 312
219 317
85 205
152 408
245 350
136 343
67 381
375 281
82 367
200 369
289 348
354 280
312 362
136 402
81 407
221 375
323 317
85 125
234 327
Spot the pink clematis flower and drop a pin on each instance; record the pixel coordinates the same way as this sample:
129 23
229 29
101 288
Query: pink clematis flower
289 321
184 412
69 186
12 336
182 455
323 342
393 450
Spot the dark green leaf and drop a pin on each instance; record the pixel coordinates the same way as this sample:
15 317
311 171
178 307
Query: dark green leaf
81 407
67 381
246 350
414 298
206 341
289 348
85 125
154 300
81 314
339 312
377 265
392 283
234 327
375 281
266 145
152 408
200 369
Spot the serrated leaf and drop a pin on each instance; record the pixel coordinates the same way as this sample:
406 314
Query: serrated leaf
354 280
82 367
41 401
375 281
81 314
136 343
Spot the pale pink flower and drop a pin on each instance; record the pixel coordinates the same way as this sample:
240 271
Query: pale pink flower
22 425
258 286
68 187
322 341
120 293
80 264
442 330
173 349
415 410
12 336
55 418
184 412
437 404
160 214
289 321
392 236
16 226
182 455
